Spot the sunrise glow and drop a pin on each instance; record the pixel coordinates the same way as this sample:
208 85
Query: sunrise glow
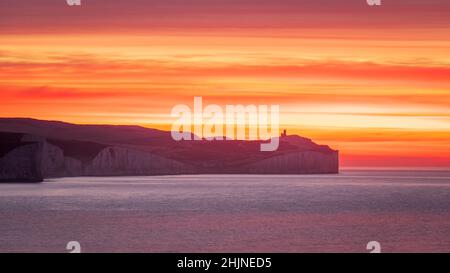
374 84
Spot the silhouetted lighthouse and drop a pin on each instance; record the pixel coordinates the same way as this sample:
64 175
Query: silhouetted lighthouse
284 134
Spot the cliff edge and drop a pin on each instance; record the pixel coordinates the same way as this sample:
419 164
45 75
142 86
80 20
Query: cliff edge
33 149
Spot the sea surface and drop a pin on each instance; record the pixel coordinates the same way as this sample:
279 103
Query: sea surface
405 211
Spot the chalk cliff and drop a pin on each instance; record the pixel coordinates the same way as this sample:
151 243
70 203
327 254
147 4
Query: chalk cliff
35 157
31 150
19 160
307 162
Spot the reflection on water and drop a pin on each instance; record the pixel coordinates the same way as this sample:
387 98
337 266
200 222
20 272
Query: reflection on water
405 211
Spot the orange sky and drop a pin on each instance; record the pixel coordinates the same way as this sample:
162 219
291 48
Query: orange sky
371 82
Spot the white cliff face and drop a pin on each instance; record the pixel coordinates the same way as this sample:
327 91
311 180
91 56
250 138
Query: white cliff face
122 161
117 161
80 150
55 164
111 161
308 162
22 164
36 157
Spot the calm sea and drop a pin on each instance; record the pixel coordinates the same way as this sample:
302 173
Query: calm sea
405 211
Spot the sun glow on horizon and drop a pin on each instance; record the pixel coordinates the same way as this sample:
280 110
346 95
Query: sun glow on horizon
375 85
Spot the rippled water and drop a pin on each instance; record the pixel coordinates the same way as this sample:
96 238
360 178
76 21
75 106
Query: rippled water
406 211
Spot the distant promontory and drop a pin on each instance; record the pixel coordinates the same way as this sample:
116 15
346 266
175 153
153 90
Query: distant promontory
32 150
